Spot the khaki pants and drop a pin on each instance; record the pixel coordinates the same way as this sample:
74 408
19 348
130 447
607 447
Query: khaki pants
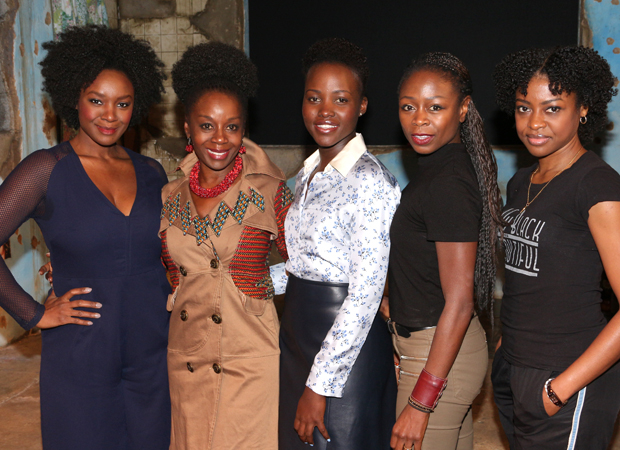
450 427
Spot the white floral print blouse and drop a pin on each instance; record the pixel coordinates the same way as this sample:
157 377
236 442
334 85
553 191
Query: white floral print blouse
337 230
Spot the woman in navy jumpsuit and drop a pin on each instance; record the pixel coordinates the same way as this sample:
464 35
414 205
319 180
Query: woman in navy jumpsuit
103 364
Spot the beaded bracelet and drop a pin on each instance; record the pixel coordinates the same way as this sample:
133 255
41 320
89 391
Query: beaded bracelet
418 406
552 395
427 391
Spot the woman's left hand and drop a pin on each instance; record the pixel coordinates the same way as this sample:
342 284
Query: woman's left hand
409 430
550 408
310 414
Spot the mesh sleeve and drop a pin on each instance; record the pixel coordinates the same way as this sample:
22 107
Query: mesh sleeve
22 196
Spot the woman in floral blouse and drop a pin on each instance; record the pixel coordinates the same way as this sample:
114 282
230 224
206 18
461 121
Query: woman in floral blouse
337 380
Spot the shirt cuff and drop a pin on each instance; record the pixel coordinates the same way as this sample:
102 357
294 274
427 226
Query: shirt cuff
279 278
326 384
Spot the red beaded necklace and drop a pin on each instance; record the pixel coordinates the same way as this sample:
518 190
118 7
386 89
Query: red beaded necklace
228 180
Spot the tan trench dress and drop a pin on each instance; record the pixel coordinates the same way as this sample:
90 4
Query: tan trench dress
223 353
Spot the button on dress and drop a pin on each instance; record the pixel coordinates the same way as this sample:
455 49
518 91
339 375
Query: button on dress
223 353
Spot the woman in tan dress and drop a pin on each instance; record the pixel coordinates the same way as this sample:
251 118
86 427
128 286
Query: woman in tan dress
218 224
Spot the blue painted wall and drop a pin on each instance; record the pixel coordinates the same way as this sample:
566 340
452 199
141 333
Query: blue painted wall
604 19
27 246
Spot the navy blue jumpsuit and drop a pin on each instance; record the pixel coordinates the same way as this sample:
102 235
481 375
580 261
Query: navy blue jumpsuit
103 386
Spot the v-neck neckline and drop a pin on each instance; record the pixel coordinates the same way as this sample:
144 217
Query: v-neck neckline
89 181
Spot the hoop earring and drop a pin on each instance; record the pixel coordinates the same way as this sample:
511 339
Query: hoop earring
583 120
189 147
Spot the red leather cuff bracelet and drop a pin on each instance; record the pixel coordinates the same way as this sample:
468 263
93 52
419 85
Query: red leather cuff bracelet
428 390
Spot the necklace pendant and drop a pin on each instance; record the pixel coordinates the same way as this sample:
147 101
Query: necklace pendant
523 210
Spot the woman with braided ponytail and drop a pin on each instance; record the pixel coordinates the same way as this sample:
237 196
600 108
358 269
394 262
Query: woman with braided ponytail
442 259
218 223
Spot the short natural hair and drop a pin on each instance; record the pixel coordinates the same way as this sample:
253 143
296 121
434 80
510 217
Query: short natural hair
338 51
214 66
80 54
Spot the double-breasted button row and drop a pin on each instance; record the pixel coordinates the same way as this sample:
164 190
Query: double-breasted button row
183 271
215 317
216 367
214 263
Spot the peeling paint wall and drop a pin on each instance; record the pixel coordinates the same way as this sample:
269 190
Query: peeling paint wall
28 126
10 123
602 18
170 31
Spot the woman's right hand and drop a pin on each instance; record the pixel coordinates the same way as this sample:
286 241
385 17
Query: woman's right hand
61 310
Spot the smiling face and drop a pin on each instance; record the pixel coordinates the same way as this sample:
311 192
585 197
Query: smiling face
105 108
215 125
430 111
332 104
546 123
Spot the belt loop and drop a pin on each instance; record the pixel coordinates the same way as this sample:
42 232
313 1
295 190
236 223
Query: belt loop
397 329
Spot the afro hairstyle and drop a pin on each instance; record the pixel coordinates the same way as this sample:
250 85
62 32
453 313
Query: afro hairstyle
338 51
80 54
214 66
570 69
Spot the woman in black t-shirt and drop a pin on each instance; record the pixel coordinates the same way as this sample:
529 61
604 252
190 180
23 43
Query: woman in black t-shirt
443 237
555 377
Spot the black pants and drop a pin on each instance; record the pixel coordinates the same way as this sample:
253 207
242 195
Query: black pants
586 422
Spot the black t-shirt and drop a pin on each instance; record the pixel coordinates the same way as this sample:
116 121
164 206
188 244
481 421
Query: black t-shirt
551 307
441 203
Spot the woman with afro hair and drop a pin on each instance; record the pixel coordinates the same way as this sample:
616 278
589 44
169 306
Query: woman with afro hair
218 224
555 375
338 388
103 363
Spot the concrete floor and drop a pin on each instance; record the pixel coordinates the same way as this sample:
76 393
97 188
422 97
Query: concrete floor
19 402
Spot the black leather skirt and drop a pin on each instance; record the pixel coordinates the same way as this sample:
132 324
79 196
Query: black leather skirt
363 418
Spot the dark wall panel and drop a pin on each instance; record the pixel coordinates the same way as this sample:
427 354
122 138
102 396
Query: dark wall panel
480 32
